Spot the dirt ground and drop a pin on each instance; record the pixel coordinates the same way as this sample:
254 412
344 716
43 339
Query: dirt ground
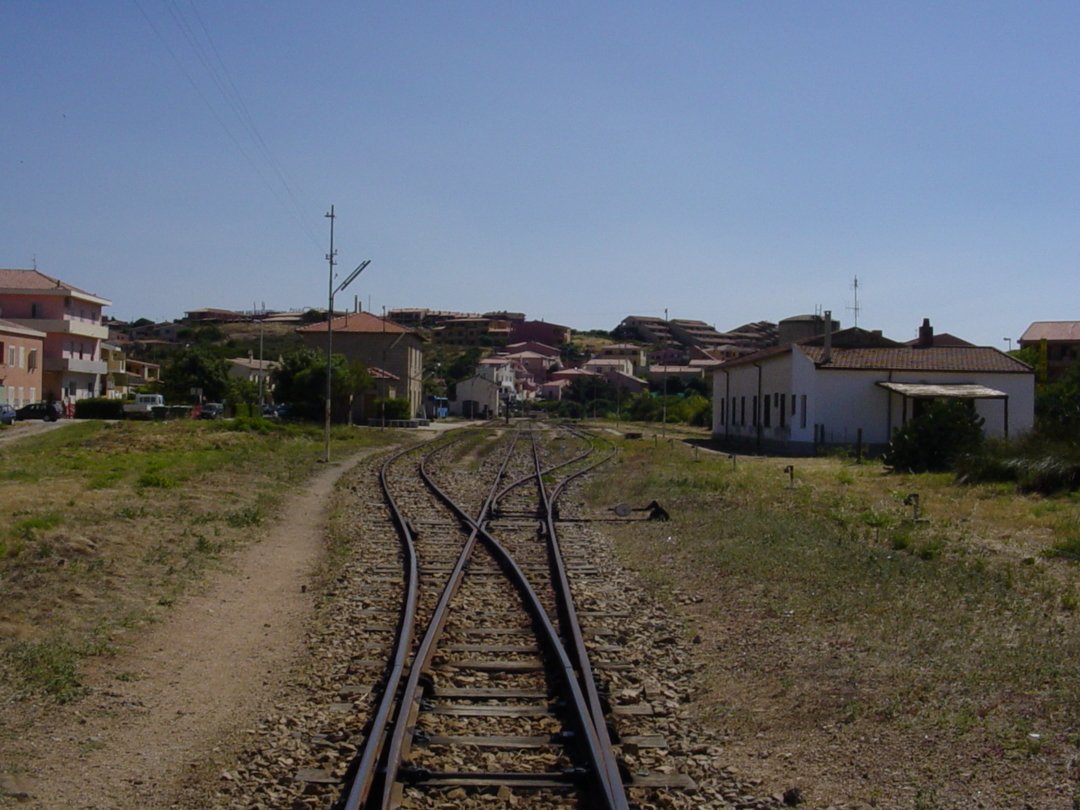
171 706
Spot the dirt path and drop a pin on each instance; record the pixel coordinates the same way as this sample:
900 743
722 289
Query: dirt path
175 704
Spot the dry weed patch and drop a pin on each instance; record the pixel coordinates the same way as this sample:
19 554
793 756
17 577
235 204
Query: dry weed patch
841 641
106 524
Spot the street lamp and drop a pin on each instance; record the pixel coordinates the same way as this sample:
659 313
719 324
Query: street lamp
663 400
330 325
1009 339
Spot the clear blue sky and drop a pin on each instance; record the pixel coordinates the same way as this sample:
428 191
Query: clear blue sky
578 161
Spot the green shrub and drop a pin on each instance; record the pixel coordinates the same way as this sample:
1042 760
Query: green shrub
932 441
390 408
99 408
1035 463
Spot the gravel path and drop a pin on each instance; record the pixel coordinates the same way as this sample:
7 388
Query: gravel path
165 710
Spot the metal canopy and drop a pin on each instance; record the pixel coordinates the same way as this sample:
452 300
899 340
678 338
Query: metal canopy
944 391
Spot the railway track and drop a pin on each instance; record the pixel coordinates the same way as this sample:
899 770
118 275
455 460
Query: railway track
477 651
490 674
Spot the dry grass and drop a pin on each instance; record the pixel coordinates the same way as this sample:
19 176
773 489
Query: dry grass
862 655
106 524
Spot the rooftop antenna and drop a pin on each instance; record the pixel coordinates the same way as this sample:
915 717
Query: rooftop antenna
855 307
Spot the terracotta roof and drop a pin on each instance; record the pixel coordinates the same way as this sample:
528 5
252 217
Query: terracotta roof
907 358
358 323
574 372
526 355
672 369
607 361
381 374
943 339
1049 330
12 279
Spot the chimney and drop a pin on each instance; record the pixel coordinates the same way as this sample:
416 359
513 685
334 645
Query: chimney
828 337
926 335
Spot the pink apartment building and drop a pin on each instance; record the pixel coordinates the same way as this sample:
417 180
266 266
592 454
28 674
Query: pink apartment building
20 364
72 366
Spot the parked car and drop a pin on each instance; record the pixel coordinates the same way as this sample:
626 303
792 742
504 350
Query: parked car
49 411
142 407
7 414
212 410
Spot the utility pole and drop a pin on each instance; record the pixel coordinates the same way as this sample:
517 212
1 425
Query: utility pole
262 400
663 400
332 291
330 257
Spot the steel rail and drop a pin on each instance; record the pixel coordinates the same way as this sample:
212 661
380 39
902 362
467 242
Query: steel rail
426 651
367 765
568 620
561 487
547 471
597 743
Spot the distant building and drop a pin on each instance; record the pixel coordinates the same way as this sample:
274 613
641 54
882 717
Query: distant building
627 351
477 331
71 319
800 327
476 398
645 328
829 390
551 334
21 350
696 333
1058 343
531 346
379 343
212 315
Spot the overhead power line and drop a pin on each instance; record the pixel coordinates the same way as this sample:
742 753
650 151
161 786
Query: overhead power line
250 142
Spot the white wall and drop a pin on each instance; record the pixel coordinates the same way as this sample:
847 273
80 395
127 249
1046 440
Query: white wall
842 401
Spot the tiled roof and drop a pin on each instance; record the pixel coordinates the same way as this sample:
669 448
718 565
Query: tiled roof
943 339
13 279
1052 330
381 374
526 355
357 323
907 358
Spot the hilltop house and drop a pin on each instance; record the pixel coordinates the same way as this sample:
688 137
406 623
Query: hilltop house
833 389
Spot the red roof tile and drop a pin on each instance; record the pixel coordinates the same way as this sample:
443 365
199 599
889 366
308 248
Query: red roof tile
358 323
1052 330
14 279
907 358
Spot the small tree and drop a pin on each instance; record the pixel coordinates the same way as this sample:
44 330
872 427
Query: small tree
195 368
933 440
243 395
300 380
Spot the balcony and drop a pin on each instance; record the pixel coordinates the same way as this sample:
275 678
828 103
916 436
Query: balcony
75 365
90 329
